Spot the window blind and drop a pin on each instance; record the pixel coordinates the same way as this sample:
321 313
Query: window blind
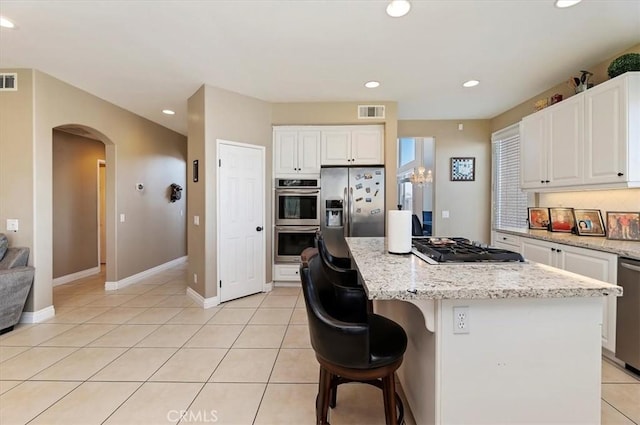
509 201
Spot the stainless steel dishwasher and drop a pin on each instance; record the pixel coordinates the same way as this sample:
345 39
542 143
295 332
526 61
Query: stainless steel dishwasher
628 315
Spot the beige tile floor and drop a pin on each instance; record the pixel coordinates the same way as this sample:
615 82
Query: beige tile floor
146 353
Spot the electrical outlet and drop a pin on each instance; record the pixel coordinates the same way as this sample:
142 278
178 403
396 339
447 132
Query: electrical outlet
461 320
195 278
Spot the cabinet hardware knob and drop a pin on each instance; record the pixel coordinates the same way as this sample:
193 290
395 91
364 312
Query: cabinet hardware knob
259 229
547 181
559 250
504 239
553 249
353 159
541 181
620 174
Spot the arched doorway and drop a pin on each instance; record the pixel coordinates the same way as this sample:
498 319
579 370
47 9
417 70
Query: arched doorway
79 156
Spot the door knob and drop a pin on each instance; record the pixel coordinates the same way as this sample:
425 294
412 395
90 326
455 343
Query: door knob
620 174
258 229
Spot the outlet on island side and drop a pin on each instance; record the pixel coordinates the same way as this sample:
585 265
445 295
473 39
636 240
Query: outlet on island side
461 320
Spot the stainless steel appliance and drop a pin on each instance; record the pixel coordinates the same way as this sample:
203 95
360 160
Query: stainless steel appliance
628 314
459 250
290 241
297 202
352 204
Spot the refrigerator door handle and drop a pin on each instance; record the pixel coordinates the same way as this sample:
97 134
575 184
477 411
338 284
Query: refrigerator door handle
350 209
344 214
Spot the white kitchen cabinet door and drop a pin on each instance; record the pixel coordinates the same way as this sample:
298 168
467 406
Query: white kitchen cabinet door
533 163
367 146
336 147
601 266
505 241
309 152
285 152
539 252
606 133
565 143
296 152
586 262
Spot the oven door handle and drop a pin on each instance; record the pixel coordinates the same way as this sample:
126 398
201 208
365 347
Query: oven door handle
298 191
295 229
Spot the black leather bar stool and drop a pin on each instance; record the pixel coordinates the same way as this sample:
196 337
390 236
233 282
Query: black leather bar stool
351 344
339 262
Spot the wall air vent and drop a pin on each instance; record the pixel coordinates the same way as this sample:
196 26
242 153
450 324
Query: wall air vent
367 112
8 81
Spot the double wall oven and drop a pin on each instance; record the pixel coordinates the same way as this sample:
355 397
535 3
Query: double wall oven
297 217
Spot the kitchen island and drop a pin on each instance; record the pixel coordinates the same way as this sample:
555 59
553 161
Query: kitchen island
529 350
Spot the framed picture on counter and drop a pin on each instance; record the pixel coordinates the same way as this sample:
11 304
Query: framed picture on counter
561 219
623 226
589 222
539 218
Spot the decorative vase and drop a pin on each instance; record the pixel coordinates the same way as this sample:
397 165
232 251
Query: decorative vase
624 63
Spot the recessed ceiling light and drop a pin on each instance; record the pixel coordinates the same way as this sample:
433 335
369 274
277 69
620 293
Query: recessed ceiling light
371 84
6 23
398 8
566 3
471 83
168 112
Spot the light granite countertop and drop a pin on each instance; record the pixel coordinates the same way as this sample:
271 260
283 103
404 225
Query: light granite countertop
629 249
407 277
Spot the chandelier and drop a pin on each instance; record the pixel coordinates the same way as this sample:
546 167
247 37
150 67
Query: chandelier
420 178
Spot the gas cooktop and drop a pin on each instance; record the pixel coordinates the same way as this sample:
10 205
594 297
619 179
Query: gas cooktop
459 250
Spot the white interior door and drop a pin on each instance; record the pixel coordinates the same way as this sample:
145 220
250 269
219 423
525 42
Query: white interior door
241 212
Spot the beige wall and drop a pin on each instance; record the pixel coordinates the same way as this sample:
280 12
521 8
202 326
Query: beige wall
75 202
220 114
342 113
516 113
468 203
137 150
16 158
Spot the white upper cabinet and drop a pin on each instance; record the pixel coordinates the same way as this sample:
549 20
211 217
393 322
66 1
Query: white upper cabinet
533 155
336 147
353 145
566 142
591 140
612 139
296 151
552 146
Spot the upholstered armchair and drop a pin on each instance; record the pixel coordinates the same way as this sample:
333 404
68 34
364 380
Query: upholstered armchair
16 279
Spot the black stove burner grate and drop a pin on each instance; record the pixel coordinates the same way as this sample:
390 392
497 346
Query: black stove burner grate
461 250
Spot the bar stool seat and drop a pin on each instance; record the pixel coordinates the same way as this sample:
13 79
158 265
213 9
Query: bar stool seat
351 344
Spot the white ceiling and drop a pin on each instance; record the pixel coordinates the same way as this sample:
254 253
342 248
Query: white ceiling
149 55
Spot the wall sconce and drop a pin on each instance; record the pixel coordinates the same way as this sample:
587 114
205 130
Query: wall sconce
420 178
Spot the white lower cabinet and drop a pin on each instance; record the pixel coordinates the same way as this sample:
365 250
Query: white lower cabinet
586 262
505 241
286 272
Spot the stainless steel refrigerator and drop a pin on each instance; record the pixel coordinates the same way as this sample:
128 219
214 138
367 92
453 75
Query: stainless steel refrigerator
352 204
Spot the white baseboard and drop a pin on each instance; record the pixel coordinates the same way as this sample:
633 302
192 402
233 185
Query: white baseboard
267 287
202 301
75 276
38 316
286 284
112 286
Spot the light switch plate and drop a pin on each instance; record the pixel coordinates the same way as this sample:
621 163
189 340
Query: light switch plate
12 225
445 214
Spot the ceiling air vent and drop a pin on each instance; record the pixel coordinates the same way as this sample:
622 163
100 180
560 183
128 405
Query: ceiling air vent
370 112
8 81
